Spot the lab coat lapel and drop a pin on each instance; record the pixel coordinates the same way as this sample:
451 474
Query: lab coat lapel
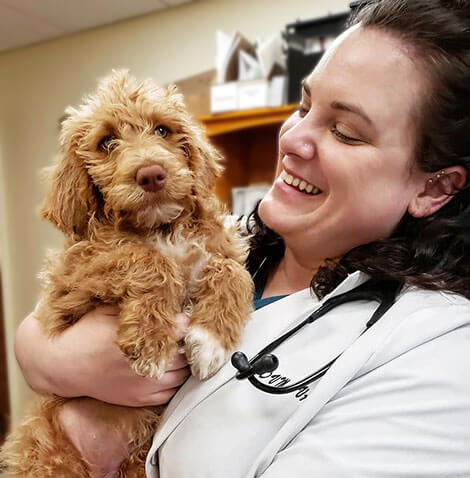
409 316
340 373
266 325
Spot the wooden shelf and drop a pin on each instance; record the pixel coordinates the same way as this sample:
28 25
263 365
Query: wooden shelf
241 120
248 141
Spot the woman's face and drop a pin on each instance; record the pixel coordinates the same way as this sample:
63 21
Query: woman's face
346 173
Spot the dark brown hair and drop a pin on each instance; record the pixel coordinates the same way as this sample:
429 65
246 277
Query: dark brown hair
431 252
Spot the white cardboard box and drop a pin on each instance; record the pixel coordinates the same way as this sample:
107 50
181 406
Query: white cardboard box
224 97
249 94
253 94
277 95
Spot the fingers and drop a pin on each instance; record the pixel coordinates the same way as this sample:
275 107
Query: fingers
108 310
179 332
173 379
179 361
112 310
162 390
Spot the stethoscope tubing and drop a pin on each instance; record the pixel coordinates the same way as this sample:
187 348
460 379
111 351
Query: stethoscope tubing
384 292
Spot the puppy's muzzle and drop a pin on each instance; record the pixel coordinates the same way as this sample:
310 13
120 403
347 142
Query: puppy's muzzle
151 178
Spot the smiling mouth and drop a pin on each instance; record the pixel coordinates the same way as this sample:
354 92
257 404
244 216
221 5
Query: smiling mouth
299 184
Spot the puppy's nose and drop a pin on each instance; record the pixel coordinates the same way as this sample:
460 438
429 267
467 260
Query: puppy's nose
151 178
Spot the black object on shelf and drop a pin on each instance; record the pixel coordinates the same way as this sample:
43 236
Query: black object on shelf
306 42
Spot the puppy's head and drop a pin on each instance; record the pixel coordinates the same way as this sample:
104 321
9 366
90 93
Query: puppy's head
129 154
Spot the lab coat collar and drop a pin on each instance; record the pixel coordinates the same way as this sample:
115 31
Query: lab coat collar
257 334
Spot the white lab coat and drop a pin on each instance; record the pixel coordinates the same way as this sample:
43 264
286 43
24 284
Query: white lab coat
395 404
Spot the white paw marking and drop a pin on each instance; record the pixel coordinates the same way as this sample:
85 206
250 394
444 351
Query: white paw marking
205 353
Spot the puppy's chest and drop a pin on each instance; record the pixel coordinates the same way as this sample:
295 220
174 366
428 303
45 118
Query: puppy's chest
190 255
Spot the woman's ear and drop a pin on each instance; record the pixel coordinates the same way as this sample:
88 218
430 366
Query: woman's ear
437 191
71 201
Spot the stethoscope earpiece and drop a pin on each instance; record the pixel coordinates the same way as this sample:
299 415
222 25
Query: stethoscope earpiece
265 363
240 362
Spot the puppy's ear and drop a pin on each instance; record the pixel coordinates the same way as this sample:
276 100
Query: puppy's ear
207 164
71 201
205 160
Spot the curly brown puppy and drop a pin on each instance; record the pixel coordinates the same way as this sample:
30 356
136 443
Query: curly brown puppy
133 193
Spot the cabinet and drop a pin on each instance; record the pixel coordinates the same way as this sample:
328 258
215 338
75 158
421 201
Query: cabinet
248 142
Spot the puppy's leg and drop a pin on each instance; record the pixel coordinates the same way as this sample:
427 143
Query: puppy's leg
146 286
131 275
224 302
145 332
154 296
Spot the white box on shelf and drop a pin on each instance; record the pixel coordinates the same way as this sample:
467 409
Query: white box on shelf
253 94
277 95
224 97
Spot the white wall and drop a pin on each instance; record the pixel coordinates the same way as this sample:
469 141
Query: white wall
37 82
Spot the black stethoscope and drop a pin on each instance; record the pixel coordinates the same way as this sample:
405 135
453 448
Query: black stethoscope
384 292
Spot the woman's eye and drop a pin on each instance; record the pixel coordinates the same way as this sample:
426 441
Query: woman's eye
162 131
107 144
343 137
302 110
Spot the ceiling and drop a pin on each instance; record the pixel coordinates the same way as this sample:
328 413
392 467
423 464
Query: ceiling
23 22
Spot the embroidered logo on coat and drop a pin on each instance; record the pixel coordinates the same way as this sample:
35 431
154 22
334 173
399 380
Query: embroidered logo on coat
279 380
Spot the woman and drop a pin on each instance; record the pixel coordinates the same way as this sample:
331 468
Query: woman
372 181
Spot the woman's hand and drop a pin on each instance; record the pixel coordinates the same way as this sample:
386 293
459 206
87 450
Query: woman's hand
85 361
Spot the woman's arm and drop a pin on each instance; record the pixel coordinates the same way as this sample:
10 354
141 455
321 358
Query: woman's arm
84 361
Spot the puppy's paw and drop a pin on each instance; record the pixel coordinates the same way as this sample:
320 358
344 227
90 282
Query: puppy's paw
204 352
152 357
149 367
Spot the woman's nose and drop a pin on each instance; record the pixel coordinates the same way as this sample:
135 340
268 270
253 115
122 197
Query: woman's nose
298 141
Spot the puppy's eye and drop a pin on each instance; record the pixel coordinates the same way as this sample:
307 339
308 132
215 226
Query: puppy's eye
162 131
107 144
